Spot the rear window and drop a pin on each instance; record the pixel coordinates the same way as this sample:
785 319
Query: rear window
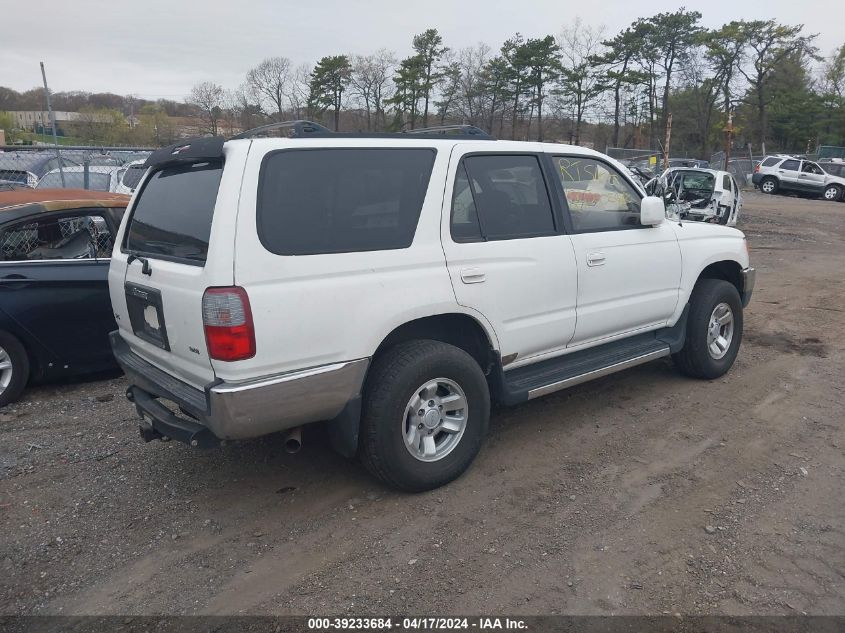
769 162
172 217
341 200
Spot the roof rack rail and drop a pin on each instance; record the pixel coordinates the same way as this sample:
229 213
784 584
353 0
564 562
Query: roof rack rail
462 130
298 129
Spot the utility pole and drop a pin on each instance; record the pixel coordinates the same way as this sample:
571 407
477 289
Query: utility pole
53 123
668 139
729 132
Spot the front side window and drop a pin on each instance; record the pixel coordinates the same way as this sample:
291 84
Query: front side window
509 194
790 165
67 237
341 200
598 197
811 168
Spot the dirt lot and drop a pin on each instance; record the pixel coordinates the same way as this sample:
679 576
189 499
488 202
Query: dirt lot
644 492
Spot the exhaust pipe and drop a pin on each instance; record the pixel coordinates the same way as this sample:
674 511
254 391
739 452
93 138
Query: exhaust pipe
293 440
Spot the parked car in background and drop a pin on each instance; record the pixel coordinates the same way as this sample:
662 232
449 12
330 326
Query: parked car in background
834 167
797 175
130 175
55 313
100 178
27 168
702 195
688 162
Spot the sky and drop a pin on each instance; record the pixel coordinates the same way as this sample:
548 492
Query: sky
160 48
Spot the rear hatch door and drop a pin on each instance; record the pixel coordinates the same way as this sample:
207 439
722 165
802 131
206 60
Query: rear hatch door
176 241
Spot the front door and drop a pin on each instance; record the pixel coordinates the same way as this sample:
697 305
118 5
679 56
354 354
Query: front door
811 177
53 284
628 275
507 257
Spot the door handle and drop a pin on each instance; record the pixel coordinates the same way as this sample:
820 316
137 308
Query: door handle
595 259
473 276
21 279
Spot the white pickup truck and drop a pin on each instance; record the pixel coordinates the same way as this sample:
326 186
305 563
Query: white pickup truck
393 286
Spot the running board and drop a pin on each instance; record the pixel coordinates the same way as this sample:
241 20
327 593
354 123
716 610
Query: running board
538 379
597 373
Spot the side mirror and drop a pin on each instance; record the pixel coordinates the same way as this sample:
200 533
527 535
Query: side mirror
652 211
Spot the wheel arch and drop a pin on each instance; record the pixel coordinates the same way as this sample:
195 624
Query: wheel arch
727 269
455 328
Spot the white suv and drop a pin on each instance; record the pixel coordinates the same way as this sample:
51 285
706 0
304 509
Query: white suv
396 285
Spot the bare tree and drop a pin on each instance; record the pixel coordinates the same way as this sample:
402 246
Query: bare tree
297 91
207 98
473 99
581 80
268 84
371 85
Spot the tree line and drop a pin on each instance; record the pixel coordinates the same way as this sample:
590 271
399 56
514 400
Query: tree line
580 85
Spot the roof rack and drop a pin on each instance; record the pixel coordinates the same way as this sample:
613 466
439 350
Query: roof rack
297 129
303 129
459 130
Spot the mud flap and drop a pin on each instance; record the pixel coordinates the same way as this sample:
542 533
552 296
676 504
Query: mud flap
343 430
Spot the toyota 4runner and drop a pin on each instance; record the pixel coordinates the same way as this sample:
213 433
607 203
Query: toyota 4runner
394 286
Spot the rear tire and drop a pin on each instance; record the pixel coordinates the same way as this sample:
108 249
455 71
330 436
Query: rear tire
769 185
400 446
14 368
714 330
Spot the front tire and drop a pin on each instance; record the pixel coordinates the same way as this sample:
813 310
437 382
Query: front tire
714 330
769 185
425 414
14 368
832 193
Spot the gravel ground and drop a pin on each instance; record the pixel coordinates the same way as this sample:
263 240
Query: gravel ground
641 493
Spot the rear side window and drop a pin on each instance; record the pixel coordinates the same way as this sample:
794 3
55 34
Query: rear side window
509 194
317 201
172 217
726 182
791 165
770 162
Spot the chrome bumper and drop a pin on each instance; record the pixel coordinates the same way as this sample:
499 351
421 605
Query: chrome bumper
233 411
749 276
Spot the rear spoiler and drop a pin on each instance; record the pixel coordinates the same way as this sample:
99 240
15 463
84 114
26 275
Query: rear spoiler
192 150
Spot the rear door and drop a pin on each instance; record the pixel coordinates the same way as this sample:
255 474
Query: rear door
788 174
507 257
168 257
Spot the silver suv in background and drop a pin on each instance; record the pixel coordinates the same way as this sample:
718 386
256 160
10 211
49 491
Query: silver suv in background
788 173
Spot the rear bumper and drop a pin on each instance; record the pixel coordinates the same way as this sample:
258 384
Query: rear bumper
756 178
748 277
229 411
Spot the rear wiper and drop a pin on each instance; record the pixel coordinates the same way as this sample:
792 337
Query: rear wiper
145 264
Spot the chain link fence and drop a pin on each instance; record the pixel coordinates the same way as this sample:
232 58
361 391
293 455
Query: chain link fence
114 169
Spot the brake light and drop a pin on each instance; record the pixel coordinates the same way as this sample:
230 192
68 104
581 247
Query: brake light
227 319
757 168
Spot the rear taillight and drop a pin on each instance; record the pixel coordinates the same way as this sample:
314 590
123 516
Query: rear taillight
757 168
227 318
